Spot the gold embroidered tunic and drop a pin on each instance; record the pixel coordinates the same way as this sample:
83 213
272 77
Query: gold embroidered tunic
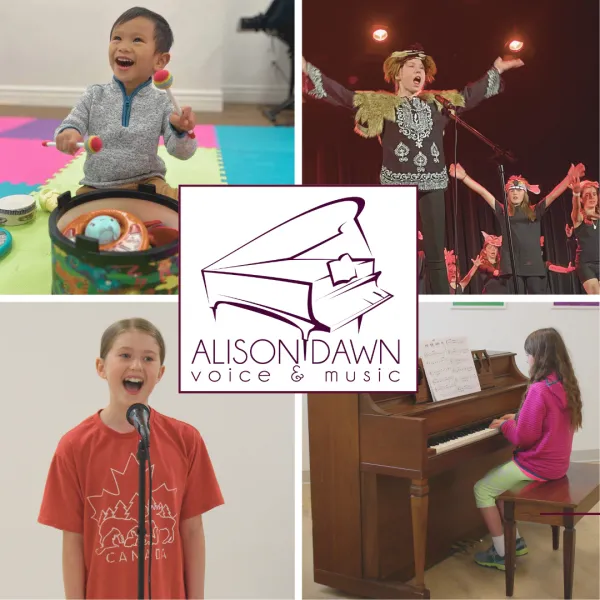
410 130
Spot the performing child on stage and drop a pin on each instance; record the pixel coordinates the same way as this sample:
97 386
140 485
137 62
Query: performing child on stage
410 125
585 217
525 226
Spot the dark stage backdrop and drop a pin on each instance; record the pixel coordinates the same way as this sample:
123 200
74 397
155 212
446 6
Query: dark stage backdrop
547 116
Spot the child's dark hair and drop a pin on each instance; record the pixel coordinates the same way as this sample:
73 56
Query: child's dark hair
163 36
550 355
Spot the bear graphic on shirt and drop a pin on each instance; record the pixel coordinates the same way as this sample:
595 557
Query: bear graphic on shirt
116 511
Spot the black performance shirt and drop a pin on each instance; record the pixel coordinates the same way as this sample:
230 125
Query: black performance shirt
526 241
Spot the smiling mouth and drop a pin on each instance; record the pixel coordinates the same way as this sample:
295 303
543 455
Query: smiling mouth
124 63
133 385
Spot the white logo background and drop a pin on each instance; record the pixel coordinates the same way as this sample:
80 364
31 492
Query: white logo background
216 221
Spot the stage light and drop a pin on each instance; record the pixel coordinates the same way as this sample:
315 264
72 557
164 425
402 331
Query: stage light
379 35
515 46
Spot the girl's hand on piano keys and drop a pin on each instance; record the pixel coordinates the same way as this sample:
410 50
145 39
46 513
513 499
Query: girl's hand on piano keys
496 423
507 417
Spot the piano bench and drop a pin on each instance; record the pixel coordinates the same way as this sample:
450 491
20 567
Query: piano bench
559 503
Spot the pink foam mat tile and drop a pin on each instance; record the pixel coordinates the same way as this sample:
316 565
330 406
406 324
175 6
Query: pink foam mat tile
27 161
206 136
8 123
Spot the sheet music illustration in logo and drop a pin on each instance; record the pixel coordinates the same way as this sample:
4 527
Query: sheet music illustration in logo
314 271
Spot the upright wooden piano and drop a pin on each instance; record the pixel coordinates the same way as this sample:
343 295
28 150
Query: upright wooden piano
392 478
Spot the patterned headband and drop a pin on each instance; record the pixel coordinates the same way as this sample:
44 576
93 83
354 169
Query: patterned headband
412 53
516 182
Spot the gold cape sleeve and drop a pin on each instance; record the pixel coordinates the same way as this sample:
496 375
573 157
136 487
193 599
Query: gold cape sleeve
373 108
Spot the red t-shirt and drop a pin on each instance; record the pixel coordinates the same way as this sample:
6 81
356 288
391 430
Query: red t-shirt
92 489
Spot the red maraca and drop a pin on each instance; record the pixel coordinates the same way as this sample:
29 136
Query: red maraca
163 80
92 145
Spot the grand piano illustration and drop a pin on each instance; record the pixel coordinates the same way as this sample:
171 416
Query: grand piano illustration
314 271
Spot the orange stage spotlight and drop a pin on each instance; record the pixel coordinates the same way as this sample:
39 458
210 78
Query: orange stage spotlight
379 35
515 46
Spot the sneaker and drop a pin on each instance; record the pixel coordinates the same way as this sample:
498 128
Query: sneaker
521 547
490 558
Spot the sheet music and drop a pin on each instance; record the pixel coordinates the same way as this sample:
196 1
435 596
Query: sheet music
449 368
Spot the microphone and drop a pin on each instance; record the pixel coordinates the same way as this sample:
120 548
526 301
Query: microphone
139 416
444 102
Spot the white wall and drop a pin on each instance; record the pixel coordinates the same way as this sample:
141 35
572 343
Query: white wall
249 75
49 385
53 50
506 329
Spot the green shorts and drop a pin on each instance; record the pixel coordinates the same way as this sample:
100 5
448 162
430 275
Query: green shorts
497 481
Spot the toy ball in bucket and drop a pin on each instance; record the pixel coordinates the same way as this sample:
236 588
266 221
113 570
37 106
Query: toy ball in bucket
105 229
115 242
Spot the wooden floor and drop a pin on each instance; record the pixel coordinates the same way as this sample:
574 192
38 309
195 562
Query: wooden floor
538 575
233 114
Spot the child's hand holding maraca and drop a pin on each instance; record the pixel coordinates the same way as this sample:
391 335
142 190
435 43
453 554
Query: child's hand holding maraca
184 122
67 140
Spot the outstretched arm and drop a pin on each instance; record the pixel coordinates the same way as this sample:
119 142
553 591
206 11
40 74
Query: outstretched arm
319 86
577 171
489 85
458 171
558 269
576 216
467 278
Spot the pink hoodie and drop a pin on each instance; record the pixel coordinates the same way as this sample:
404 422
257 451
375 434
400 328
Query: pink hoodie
542 431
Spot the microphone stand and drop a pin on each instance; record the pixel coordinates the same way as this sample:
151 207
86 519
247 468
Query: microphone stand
142 458
499 156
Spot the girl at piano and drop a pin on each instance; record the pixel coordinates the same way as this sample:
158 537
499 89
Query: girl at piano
525 225
92 486
542 432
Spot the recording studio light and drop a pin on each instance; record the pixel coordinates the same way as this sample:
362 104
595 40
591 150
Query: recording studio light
379 35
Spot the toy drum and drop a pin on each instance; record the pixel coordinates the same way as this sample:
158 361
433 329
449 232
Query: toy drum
140 254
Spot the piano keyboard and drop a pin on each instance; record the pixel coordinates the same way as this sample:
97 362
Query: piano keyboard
464 440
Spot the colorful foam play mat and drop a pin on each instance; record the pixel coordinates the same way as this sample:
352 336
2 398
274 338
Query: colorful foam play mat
227 155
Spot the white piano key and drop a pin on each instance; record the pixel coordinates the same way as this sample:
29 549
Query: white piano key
464 440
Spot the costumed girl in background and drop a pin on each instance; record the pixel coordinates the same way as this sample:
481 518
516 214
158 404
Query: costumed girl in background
100 529
525 226
410 125
456 286
542 432
585 218
489 265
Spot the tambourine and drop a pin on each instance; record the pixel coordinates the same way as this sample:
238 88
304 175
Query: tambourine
17 210
5 242
134 235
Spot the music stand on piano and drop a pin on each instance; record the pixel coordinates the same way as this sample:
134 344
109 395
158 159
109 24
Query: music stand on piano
278 22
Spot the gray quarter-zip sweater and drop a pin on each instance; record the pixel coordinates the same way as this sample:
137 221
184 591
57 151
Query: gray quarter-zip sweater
130 128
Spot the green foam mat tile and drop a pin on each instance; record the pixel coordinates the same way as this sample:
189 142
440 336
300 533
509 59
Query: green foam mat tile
202 168
27 268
